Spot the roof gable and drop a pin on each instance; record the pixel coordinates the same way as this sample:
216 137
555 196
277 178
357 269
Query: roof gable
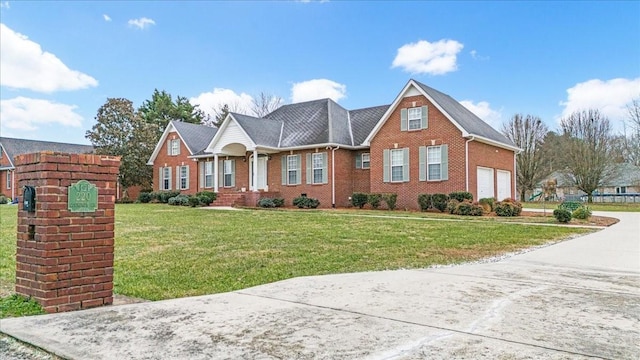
194 136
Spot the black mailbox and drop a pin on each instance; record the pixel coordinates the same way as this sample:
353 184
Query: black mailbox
29 199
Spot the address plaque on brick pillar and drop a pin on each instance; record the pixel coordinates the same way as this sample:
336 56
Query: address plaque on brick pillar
83 197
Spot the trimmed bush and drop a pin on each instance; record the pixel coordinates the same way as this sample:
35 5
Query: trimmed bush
570 205
488 204
206 197
439 201
582 213
278 202
164 196
3 199
359 200
562 215
424 201
461 196
452 205
374 200
390 199
266 203
508 207
306 202
194 201
180 200
145 197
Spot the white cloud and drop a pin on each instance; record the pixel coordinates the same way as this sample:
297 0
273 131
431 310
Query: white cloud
4 4
317 89
475 56
212 101
24 65
106 17
424 57
484 111
609 96
23 113
141 23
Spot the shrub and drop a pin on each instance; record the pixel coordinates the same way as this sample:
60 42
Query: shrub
306 202
582 213
179 200
206 197
278 202
164 196
145 197
508 207
476 209
266 203
3 199
452 205
390 199
424 201
439 201
488 204
461 196
374 200
194 201
359 199
463 208
124 200
562 215
570 205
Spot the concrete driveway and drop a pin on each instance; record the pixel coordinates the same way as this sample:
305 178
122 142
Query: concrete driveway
575 299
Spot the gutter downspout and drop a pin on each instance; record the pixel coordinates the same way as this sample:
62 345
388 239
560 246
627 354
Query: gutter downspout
515 174
466 161
333 176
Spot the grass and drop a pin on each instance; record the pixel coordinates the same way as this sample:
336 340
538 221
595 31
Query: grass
627 207
166 252
16 305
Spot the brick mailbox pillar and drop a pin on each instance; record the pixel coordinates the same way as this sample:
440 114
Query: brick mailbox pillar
64 256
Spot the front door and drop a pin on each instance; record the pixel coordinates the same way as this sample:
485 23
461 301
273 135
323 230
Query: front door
262 172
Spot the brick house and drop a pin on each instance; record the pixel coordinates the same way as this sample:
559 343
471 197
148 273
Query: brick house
424 142
10 148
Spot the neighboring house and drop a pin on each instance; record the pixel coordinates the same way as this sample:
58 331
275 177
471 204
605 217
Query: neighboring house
622 185
10 148
424 142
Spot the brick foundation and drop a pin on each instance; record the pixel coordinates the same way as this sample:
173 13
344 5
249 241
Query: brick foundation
64 260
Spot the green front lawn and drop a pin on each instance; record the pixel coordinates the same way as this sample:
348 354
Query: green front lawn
166 252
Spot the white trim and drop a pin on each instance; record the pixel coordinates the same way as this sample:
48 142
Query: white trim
169 129
466 161
495 143
219 134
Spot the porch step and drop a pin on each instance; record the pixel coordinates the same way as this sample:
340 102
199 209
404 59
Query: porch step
229 200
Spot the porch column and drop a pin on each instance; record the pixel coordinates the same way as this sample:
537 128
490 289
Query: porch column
215 173
255 170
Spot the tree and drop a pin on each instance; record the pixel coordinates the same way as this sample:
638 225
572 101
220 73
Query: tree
552 152
162 109
528 133
587 151
121 132
632 139
264 104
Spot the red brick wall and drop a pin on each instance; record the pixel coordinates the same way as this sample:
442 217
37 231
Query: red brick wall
164 160
65 259
4 162
440 131
361 177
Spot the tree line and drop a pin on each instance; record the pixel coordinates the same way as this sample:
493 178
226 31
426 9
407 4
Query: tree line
122 130
584 148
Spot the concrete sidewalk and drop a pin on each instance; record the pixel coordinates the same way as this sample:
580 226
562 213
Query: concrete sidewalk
575 299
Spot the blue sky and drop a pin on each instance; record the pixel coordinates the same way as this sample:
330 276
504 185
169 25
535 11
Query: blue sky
60 61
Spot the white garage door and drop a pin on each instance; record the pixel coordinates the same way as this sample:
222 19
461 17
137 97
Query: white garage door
485 183
504 184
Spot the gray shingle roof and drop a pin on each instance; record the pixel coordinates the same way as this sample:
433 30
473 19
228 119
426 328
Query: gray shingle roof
304 123
14 147
364 120
196 136
468 120
263 132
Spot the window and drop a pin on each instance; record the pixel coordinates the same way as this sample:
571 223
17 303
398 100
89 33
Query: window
366 160
291 168
165 176
174 147
434 163
208 174
619 190
396 165
414 116
228 173
184 177
8 179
